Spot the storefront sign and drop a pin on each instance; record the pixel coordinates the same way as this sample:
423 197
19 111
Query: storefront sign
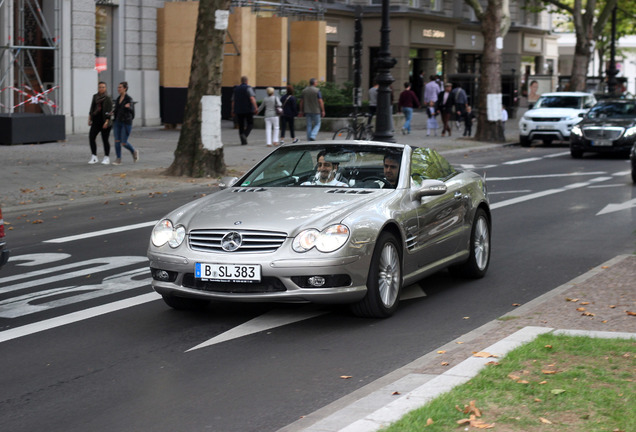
433 33
532 44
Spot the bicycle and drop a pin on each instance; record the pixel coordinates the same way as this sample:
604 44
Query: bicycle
355 129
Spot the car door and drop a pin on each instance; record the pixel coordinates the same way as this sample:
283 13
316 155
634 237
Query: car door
441 218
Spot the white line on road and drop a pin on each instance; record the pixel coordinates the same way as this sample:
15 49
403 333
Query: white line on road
101 233
546 193
541 176
36 327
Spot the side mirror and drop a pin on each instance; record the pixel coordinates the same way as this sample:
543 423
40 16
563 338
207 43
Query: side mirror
581 115
429 188
227 182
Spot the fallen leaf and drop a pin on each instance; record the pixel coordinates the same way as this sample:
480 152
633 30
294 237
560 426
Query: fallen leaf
557 391
471 408
444 363
37 221
429 422
516 304
466 318
581 309
537 400
571 299
483 354
548 346
605 267
493 363
395 393
441 352
548 372
459 342
522 382
514 377
345 376
587 314
584 303
545 420
630 313
543 382
612 306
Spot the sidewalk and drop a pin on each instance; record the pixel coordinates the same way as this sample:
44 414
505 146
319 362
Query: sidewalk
56 173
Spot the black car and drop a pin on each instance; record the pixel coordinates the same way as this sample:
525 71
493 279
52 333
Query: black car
609 127
4 253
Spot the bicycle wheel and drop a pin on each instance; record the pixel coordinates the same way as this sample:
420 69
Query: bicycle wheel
343 133
366 133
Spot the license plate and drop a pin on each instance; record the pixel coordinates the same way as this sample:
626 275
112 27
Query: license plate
227 272
602 143
545 127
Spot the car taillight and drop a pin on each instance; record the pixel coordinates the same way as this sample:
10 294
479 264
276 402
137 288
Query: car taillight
1 225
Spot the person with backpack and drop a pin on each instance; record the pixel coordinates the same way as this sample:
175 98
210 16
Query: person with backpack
124 113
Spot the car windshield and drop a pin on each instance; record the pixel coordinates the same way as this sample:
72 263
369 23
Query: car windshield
559 102
613 110
314 165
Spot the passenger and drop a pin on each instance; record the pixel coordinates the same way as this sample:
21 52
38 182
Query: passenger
326 173
392 168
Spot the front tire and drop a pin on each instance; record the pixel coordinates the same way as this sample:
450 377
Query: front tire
343 133
524 141
479 259
576 153
384 281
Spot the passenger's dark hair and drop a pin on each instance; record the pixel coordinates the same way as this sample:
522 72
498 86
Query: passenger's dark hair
124 84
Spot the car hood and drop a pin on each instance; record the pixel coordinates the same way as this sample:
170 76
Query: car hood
274 209
605 122
553 112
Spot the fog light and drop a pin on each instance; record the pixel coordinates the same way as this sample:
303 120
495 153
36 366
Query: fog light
316 281
161 275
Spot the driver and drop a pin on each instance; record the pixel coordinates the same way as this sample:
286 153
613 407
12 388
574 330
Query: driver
392 168
326 173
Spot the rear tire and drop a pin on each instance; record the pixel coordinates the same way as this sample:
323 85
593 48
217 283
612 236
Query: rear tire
576 153
384 281
183 303
343 133
476 266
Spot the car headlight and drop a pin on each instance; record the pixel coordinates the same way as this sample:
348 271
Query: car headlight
576 130
164 232
328 240
630 132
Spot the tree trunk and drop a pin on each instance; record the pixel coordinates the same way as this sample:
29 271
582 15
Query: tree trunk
580 64
490 73
193 157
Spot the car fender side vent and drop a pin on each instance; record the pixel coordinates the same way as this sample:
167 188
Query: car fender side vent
349 191
257 189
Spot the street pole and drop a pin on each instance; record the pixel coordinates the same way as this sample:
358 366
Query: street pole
384 63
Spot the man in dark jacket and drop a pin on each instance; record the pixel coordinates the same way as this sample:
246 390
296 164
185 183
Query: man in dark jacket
445 105
243 108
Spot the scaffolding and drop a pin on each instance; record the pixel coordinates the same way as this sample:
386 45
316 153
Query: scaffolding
30 59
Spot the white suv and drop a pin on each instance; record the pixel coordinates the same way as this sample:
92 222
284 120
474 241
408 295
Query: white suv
552 117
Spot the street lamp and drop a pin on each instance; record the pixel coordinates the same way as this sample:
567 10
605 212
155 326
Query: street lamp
384 63
611 79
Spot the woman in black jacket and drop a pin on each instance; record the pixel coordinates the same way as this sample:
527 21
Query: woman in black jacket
124 113
290 111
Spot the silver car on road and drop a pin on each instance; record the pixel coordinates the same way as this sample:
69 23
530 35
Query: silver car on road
325 222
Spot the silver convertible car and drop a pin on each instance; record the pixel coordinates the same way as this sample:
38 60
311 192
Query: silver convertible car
325 222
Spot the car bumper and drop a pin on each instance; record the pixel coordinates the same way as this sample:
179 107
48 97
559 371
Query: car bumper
617 146
553 131
282 280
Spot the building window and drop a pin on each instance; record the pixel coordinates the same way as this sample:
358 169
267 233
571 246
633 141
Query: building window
332 59
437 5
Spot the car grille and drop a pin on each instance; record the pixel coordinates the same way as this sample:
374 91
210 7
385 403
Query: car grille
545 119
268 284
602 133
252 241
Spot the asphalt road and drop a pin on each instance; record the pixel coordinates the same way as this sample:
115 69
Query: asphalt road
120 359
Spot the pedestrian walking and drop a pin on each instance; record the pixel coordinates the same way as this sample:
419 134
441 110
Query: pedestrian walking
313 108
461 101
504 118
407 101
99 121
123 113
290 111
445 105
271 104
243 108
431 123
431 90
373 101
469 117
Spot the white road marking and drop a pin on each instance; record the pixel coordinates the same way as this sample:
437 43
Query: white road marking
611 208
574 174
272 319
548 192
101 233
40 326
39 258
509 192
520 161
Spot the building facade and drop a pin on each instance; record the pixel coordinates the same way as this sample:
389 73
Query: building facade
148 43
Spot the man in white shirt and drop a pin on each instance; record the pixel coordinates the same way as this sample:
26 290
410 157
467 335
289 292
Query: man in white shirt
326 173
